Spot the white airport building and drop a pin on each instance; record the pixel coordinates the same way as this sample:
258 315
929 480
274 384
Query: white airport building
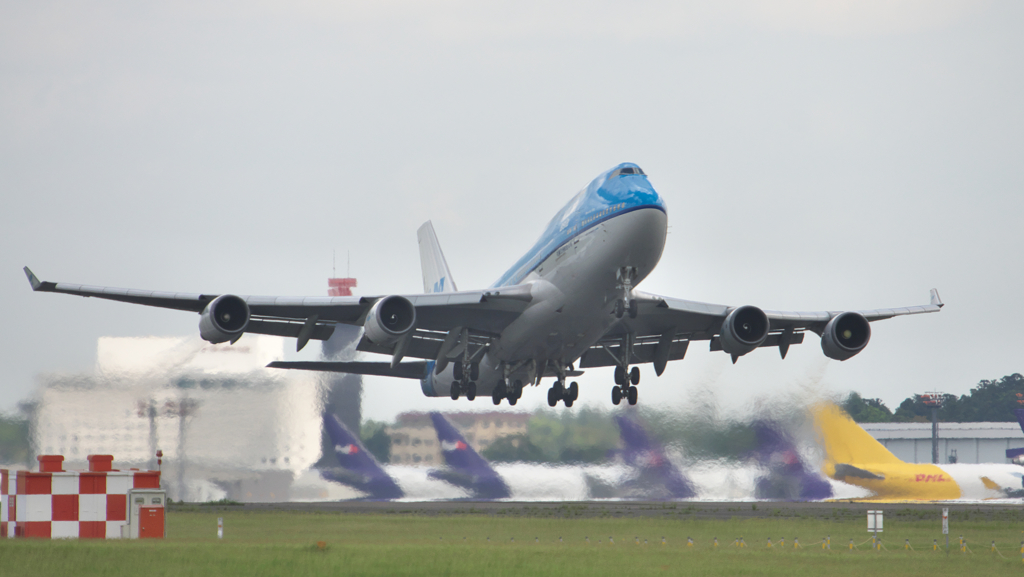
964 442
228 427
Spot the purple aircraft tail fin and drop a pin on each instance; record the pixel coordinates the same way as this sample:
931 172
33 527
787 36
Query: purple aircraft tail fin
657 477
358 467
786 476
1017 455
466 468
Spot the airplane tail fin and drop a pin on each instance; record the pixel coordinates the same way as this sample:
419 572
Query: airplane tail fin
348 449
436 276
467 468
845 442
658 478
635 442
1017 455
359 468
785 474
456 451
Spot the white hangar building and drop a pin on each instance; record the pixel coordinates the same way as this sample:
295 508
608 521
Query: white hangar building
964 442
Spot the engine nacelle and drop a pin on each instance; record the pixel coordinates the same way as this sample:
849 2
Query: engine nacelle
224 319
389 320
845 335
744 330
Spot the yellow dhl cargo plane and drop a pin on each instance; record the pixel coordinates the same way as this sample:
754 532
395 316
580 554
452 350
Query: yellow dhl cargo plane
853 456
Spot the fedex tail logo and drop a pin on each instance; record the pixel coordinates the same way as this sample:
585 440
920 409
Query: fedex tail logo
347 449
456 446
922 478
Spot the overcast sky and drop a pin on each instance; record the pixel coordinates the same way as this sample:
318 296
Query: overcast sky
813 155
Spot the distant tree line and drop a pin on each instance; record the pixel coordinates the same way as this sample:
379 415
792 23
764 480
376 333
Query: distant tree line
990 401
14 437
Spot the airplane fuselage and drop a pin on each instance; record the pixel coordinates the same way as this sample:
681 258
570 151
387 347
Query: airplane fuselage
605 241
928 482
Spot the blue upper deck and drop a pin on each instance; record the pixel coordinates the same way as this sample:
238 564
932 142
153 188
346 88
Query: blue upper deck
622 189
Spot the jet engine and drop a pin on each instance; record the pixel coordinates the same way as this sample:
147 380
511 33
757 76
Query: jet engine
224 319
744 330
389 320
845 335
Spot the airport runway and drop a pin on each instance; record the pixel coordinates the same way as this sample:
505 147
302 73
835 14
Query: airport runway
1006 511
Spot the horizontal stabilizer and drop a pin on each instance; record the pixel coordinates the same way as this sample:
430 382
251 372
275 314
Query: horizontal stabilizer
843 471
409 370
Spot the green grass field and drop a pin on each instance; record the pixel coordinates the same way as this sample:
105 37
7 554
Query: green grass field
286 543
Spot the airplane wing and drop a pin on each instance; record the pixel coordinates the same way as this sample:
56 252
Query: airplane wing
483 312
664 327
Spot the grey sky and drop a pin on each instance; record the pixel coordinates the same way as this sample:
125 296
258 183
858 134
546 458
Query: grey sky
839 155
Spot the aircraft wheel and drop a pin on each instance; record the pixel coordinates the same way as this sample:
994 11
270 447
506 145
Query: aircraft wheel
553 397
455 390
513 400
616 395
457 371
620 376
474 371
498 393
634 376
620 308
496 398
573 392
632 395
634 308
471 391
568 402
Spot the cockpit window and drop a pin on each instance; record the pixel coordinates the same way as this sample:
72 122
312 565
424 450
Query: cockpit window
627 170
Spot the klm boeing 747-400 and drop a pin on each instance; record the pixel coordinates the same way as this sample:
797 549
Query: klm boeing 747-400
570 303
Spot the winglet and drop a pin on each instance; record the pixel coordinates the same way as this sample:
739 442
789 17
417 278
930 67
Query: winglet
936 299
36 285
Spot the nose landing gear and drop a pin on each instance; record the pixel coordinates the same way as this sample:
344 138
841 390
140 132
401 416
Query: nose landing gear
626 276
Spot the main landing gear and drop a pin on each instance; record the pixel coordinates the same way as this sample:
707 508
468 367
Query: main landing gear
559 392
461 385
467 388
625 385
503 390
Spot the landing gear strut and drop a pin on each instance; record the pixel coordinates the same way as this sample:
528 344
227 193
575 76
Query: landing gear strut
626 276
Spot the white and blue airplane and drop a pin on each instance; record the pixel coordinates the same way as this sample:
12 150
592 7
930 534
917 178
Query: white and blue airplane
570 303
